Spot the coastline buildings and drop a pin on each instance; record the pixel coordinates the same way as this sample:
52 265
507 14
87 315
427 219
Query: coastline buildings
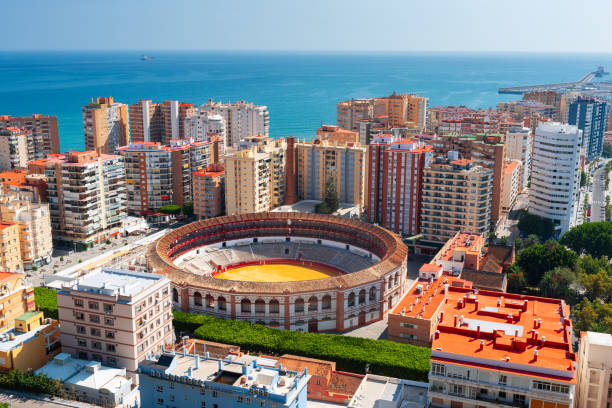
196 381
35 239
105 125
158 122
10 252
209 192
158 175
555 173
205 126
335 134
116 317
520 109
242 119
395 182
330 159
399 110
30 186
594 371
591 116
13 149
41 131
86 194
456 196
484 149
519 146
255 176
552 98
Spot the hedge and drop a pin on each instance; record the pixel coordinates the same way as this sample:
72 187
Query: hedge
30 382
46 301
350 353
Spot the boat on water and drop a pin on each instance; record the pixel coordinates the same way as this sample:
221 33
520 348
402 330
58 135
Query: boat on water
147 58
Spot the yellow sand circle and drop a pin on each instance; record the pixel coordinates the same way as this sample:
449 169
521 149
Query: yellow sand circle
276 273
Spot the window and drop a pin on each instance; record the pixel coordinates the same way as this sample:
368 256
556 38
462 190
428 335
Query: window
202 392
81 329
83 355
518 399
93 305
438 369
97 345
110 334
456 390
94 318
203 404
172 385
240 399
215 394
546 386
503 380
160 401
82 343
108 308
318 382
95 332
110 347
160 388
79 315
502 394
171 397
78 302
109 322
112 362
408 325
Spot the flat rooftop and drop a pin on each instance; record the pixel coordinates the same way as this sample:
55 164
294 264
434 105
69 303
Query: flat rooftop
308 206
6 344
374 389
112 282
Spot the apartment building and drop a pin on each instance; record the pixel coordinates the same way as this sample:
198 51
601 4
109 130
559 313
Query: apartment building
206 126
159 122
31 186
158 175
555 173
350 113
13 149
116 317
42 132
591 116
105 125
512 183
594 371
204 381
16 298
30 343
325 160
35 240
86 193
242 119
519 146
395 182
10 250
400 110
255 176
456 196
335 134
552 98
484 149
520 109
209 192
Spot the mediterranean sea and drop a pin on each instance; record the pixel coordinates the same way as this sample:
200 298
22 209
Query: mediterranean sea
300 89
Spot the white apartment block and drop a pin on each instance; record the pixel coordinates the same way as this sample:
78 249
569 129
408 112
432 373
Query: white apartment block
13 149
243 119
594 371
519 146
555 173
204 125
119 318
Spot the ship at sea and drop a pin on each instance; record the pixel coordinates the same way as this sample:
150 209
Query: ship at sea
147 58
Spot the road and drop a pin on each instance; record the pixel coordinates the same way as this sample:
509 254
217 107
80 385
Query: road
598 203
509 226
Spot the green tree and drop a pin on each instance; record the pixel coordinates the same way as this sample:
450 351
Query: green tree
589 265
188 209
583 178
597 286
30 382
503 241
594 238
592 316
558 283
170 209
537 259
531 240
516 279
607 150
330 202
534 224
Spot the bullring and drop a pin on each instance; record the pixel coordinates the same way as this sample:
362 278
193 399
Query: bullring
364 268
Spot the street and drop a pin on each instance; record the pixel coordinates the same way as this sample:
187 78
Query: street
598 202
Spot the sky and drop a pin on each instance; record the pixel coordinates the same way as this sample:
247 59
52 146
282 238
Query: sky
309 25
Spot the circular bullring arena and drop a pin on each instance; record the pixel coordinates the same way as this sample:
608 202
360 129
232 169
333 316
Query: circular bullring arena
305 272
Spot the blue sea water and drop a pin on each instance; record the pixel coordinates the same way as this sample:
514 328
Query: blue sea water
300 89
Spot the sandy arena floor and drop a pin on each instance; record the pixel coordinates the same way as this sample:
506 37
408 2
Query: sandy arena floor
276 273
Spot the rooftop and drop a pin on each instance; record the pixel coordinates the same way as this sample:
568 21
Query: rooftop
18 338
511 166
395 392
112 282
599 339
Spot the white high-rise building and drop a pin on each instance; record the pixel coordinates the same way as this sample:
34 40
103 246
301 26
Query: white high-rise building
519 146
555 173
203 125
594 370
242 119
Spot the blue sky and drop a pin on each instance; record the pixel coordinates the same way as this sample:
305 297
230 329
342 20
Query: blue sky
309 25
